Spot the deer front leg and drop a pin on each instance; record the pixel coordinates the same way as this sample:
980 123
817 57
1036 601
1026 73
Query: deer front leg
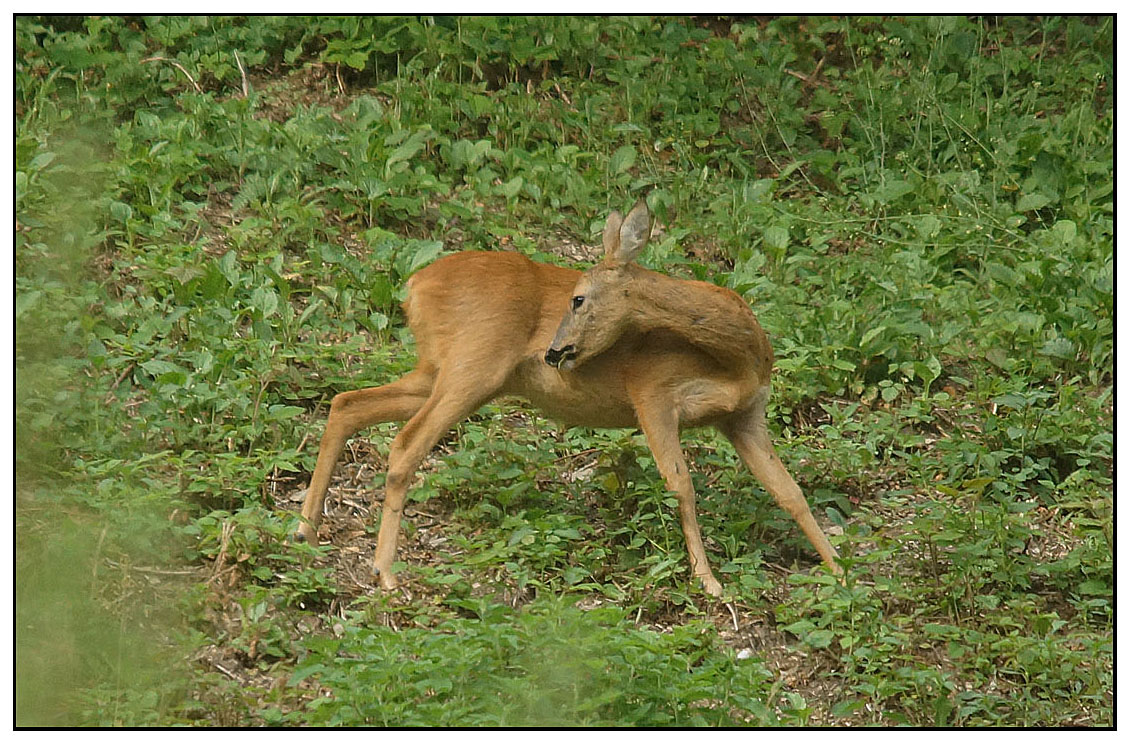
661 428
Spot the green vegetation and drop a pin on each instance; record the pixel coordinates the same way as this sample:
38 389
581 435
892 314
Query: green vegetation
919 210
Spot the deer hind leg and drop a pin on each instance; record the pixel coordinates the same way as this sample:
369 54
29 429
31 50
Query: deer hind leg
750 437
349 413
447 405
661 427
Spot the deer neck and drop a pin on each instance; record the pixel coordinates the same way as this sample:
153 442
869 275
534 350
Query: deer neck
708 317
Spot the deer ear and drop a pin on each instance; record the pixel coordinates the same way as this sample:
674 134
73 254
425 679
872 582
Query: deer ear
634 233
612 235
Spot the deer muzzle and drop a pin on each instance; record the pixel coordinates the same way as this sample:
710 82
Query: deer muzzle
561 358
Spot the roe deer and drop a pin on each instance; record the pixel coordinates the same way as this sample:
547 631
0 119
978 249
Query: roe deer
616 346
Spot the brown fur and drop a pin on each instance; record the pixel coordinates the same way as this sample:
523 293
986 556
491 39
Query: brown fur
647 350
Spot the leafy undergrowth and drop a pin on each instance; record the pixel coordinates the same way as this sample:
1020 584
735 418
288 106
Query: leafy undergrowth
920 212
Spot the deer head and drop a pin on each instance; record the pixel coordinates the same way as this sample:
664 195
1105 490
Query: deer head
600 308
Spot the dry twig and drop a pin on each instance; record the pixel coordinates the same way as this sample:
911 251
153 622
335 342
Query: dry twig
225 671
145 569
305 439
122 376
813 78
177 65
225 536
242 74
733 614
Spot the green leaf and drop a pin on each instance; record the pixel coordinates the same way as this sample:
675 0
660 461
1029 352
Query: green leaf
1002 274
956 650
41 161
373 188
819 638
26 301
466 154
776 237
1029 202
121 211
407 150
157 367
870 335
265 301
1011 400
759 190
892 190
998 358
185 274
845 708
164 372
574 574
1065 230
379 321
425 252
230 269
1058 347
279 412
511 188
357 60
305 671
929 370
623 159
943 711
976 485
947 83
609 482
1095 587
800 627
927 226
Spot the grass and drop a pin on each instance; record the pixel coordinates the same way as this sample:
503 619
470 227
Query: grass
920 211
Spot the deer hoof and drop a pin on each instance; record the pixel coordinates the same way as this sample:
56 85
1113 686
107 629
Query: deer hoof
711 586
304 534
386 579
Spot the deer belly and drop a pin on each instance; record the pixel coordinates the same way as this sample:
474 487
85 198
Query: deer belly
705 400
578 398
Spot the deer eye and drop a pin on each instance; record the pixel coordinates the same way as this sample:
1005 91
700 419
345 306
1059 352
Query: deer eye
578 301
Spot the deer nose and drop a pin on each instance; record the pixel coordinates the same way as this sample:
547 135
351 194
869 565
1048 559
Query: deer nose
554 357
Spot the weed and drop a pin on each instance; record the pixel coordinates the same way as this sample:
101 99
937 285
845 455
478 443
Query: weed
215 220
